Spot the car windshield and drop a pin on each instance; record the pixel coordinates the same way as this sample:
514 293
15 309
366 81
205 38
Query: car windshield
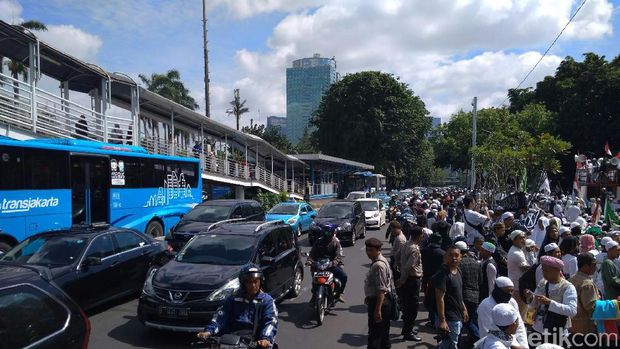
207 213
370 205
48 250
284 209
335 211
355 196
218 249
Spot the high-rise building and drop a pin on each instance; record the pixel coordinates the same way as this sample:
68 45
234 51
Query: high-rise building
277 121
306 82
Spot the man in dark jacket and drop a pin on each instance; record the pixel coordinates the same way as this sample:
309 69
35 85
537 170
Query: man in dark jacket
432 259
471 273
500 255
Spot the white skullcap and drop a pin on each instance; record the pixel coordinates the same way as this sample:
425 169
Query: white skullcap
582 222
504 314
507 215
575 224
515 234
614 233
461 245
564 229
605 240
530 243
503 281
550 247
611 244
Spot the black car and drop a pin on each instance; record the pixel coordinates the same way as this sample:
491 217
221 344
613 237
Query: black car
204 215
348 215
35 313
183 294
92 264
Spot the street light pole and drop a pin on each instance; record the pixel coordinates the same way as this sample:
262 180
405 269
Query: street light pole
206 59
474 104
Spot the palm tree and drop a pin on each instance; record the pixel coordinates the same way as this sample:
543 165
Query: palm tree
16 67
169 85
238 107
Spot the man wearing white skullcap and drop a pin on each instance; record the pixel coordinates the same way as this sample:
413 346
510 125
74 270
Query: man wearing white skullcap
507 320
517 263
610 272
502 294
489 269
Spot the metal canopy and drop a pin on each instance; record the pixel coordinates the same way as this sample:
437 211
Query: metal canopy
82 77
335 162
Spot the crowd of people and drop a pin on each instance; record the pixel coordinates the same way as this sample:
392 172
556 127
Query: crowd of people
483 272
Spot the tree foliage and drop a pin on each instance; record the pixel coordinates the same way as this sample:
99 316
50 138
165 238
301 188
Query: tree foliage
586 98
305 145
374 118
272 135
169 85
238 107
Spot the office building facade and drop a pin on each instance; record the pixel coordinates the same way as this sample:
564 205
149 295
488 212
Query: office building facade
277 121
306 82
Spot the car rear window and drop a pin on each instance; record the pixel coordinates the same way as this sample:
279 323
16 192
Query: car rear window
28 315
207 213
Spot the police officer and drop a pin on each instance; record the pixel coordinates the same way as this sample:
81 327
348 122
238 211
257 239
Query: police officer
377 288
238 313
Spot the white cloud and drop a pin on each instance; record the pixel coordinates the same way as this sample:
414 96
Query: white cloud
249 8
446 51
72 40
10 11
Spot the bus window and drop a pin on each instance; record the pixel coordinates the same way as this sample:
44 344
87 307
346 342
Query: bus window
131 172
153 173
46 169
189 172
11 168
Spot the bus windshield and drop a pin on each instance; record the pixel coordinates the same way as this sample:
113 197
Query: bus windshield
218 249
48 250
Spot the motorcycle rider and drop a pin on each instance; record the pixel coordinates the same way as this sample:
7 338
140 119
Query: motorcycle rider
328 246
238 313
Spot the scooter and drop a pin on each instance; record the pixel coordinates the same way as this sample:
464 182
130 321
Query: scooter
325 288
238 340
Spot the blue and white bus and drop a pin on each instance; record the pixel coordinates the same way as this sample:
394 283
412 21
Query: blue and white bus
50 184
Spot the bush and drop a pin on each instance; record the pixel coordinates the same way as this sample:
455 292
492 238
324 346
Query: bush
268 200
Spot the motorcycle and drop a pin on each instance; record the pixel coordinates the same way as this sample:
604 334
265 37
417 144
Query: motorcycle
325 288
237 340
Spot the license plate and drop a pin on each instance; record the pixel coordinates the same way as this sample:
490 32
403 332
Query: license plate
323 274
174 312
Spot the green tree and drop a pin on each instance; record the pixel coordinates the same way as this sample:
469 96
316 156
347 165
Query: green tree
238 107
169 85
586 98
373 118
272 135
304 145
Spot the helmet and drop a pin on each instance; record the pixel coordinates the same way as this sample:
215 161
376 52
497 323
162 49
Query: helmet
250 271
329 230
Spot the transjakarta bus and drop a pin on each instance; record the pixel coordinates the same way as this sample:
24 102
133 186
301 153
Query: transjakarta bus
48 184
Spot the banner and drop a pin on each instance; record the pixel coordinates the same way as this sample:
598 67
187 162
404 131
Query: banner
514 202
610 217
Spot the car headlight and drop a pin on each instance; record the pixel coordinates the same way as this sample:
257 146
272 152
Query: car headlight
292 220
221 293
346 226
148 284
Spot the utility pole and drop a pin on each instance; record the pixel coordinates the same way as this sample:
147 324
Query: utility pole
206 58
474 104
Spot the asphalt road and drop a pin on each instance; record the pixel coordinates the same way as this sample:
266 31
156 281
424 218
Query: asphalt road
117 326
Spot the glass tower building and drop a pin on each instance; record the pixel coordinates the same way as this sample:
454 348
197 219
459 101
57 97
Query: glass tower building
305 83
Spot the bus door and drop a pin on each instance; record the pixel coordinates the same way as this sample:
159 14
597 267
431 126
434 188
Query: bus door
90 187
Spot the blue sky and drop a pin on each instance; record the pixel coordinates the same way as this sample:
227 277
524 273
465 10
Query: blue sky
447 50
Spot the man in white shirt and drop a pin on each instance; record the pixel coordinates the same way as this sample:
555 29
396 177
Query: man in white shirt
474 221
502 293
572 212
517 265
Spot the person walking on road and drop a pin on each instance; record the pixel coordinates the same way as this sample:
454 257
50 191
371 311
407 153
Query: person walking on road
451 310
471 273
377 287
410 282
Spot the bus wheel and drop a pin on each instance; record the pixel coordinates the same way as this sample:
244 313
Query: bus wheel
154 229
4 247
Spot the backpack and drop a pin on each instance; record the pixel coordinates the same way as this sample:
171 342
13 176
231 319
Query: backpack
527 281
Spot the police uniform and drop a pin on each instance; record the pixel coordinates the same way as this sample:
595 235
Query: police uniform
379 278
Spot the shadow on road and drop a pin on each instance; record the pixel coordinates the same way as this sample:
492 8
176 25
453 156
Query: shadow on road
149 338
299 314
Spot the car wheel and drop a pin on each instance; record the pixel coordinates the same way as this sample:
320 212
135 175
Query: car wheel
154 229
297 284
4 247
299 230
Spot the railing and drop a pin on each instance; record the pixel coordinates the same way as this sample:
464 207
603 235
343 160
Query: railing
62 118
